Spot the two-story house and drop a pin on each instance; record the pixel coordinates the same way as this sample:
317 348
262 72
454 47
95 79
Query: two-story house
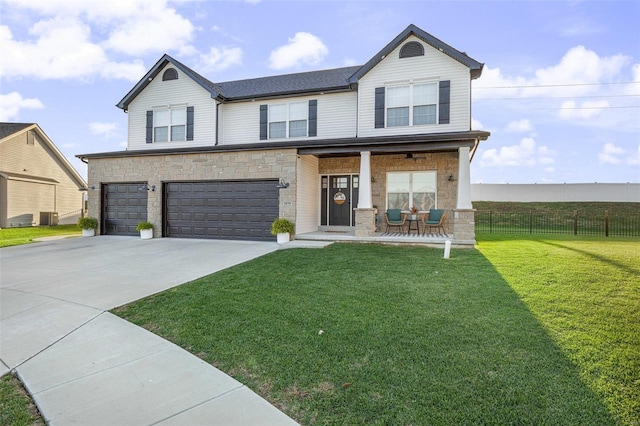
321 148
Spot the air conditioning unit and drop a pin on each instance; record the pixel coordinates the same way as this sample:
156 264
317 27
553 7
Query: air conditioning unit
48 218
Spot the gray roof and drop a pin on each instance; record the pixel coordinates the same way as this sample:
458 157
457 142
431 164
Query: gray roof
313 81
475 67
7 129
300 83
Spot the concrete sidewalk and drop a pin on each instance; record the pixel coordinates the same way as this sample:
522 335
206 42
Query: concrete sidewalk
86 366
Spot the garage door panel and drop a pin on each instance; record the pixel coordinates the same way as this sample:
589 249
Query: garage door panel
221 209
124 206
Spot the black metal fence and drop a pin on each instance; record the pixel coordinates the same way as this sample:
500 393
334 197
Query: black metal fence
557 222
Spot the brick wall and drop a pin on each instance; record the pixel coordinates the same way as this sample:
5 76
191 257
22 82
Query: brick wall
156 169
444 163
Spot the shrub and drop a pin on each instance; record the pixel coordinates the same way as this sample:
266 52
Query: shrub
88 223
144 225
281 225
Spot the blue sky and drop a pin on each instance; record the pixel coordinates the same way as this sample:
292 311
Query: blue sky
560 91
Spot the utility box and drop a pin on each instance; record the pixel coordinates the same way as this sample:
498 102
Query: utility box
48 218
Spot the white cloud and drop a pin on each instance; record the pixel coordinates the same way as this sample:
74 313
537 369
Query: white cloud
12 103
578 66
84 39
303 48
613 154
219 59
476 124
525 154
634 159
520 126
585 110
61 50
103 129
152 28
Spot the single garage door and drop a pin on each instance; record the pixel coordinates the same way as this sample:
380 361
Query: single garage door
124 205
232 210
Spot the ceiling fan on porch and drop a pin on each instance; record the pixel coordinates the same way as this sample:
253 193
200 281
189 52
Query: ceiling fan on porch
410 156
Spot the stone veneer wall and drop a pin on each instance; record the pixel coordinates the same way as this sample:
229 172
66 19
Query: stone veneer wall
444 163
157 169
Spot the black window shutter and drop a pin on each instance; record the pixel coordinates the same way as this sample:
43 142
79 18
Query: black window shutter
444 99
149 126
263 122
313 118
190 123
379 108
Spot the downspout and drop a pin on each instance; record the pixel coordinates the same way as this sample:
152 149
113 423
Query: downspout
217 122
473 151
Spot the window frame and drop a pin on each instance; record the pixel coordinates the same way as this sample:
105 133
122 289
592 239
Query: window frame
170 126
410 104
411 189
289 119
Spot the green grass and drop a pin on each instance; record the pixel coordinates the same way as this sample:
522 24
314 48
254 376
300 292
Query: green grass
587 208
370 334
558 218
16 407
586 293
18 236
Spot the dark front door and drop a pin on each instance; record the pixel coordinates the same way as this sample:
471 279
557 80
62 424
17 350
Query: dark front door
241 210
341 200
123 206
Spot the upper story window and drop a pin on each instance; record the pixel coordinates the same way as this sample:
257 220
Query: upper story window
413 48
169 124
411 105
290 120
170 74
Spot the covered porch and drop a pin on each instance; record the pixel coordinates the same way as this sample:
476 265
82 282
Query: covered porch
381 237
361 180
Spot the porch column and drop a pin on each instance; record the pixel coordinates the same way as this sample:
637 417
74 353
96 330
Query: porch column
463 214
464 179
365 214
364 196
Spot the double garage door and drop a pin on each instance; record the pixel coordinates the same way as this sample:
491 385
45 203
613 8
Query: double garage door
239 210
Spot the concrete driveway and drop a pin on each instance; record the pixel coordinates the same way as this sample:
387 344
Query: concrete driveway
84 365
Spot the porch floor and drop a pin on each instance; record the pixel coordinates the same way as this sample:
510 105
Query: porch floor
348 234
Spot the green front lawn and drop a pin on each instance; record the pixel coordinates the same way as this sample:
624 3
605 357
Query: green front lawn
519 331
18 236
16 407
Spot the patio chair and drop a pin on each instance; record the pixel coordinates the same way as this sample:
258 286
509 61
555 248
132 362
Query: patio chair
434 219
395 217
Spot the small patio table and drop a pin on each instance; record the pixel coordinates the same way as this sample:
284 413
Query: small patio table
411 221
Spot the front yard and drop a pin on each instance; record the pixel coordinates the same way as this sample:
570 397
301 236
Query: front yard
17 236
533 331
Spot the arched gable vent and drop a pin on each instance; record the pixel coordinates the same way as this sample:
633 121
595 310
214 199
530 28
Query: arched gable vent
413 48
170 74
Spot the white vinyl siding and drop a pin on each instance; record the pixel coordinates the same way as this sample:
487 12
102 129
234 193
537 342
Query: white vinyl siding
392 71
307 194
26 197
173 94
336 118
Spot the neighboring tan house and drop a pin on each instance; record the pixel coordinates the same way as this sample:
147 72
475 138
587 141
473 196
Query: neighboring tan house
321 148
38 185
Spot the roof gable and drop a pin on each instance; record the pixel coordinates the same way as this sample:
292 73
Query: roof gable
206 84
299 83
9 130
474 66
